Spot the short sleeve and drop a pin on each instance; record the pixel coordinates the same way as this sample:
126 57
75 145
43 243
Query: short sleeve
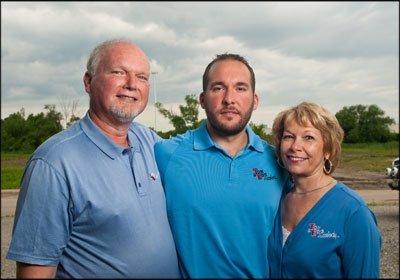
362 245
42 223
163 151
156 137
162 157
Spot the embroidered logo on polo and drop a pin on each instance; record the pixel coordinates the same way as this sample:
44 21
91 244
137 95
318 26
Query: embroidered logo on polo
316 231
261 175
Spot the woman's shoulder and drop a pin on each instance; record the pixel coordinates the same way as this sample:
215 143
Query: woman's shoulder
347 197
351 206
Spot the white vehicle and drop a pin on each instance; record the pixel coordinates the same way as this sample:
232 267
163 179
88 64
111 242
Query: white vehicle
393 174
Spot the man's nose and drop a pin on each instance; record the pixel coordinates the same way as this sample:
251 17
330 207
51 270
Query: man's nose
131 81
229 96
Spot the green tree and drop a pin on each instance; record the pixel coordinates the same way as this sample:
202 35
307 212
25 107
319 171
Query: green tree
13 131
43 125
259 129
26 134
364 124
72 120
187 119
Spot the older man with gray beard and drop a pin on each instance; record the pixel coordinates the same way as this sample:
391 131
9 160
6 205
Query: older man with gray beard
91 203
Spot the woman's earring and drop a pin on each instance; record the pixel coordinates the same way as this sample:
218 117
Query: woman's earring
328 166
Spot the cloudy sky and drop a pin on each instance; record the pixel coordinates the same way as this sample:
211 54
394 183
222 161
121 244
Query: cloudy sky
336 53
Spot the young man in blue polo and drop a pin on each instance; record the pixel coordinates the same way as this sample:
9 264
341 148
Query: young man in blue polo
222 182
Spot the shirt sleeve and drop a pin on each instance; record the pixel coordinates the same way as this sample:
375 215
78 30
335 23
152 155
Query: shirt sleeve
162 158
156 137
163 152
362 245
43 216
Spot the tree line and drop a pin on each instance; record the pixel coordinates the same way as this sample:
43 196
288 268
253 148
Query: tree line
25 133
361 124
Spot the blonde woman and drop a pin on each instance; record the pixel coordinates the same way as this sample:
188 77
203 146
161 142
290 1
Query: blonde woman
323 229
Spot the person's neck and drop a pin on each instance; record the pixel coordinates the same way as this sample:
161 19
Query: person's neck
117 133
232 144
306 184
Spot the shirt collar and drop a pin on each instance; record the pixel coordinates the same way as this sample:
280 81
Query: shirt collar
254 140
203 141
99 138
201 138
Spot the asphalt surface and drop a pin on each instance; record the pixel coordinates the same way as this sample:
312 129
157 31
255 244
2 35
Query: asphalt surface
384 203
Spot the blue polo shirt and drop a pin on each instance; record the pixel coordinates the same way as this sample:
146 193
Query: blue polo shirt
221 208
94 209
337 238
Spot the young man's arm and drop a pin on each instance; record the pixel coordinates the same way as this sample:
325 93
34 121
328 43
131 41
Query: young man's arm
25 270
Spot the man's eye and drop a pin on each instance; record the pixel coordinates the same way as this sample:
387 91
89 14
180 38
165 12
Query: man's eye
217 88
143 78
241 89
118 72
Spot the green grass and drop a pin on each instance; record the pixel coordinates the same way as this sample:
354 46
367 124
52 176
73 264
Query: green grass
12 168
373 157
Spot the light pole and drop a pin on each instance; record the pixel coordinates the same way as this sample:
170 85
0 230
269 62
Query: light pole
154 73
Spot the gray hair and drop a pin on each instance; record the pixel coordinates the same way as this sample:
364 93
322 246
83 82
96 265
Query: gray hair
95 55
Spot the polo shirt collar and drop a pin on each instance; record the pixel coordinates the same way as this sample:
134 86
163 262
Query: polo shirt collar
99 138
254 140
202 139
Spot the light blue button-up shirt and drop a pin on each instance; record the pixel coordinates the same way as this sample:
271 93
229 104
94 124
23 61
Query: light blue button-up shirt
93 208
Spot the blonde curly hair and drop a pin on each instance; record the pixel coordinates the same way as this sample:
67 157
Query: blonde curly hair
317 116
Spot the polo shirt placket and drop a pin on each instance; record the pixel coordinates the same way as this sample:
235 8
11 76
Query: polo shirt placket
131 160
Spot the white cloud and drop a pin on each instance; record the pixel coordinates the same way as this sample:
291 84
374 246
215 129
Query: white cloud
335 53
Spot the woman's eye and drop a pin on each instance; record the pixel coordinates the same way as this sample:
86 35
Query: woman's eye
308 137
287 136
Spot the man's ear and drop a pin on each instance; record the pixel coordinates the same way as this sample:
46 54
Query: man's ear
256 100
201 99
87 81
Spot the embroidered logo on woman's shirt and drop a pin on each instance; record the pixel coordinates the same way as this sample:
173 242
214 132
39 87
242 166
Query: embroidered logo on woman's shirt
316 231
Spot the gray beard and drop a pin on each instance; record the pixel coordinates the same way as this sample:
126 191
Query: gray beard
121 115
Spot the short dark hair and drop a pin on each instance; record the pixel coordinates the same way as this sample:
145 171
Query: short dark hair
227 56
